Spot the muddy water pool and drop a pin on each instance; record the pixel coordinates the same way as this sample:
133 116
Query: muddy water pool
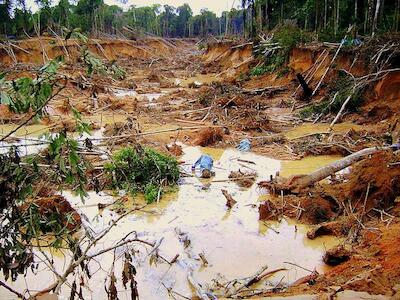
309 128
234 242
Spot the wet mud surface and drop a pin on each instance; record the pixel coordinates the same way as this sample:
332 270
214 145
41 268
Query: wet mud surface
192 98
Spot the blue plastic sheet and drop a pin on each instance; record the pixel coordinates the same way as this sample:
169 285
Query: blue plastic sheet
205 162
395 147
244 145
351 42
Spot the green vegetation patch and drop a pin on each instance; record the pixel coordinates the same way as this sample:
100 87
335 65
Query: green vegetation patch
142 170
276 53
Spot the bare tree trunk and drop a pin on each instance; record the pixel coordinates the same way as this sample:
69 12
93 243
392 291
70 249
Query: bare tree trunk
365 20
267 14
253 19
397 16
355 13
376 15
324 172
382 10
316 16
370 10
326 13
260 17
227 23
334 17
337 16
244 20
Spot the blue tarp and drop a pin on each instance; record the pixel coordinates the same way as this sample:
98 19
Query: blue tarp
205 162
395 147
244 145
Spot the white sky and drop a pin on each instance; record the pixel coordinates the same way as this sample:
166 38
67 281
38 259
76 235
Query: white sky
217 6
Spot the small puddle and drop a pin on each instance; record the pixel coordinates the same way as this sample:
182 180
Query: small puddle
199 79
33 130
36 130
151 97
306 165
307 129
234 242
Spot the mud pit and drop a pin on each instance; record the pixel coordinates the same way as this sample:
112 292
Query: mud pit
234 242
173 93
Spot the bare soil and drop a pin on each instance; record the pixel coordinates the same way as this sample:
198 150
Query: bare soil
362 205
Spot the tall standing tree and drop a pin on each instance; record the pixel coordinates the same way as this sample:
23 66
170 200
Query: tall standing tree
61 13
182 21
88 14
5 16
166 19
44 15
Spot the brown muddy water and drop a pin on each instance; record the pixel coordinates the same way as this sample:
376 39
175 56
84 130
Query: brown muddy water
198 79
234 242
309 128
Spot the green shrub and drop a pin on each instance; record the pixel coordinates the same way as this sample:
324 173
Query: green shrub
142 170
25 94
313 110
260 70
151 192
257 71
344 86
287 37
95 65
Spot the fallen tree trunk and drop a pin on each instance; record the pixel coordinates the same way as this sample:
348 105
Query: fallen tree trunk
329 67
339 114
300 182
267 139
336 166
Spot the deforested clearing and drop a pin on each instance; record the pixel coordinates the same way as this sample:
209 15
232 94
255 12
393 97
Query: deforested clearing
160 152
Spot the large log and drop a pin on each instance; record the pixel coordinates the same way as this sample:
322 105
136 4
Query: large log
324 172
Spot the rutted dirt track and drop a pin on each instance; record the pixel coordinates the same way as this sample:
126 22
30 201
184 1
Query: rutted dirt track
187 102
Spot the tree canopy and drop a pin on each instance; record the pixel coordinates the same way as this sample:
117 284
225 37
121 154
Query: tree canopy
329 19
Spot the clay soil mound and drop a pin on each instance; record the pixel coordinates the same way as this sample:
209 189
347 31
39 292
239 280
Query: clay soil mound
209 136
373 183
374 265
376 179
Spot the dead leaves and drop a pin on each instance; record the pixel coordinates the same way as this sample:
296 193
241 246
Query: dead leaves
112 291
128 275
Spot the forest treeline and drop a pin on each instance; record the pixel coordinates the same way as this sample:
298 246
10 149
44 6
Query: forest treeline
328 18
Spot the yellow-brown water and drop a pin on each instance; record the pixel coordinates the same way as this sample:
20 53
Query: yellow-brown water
307 129
35 130
200 79
306 165
234 242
